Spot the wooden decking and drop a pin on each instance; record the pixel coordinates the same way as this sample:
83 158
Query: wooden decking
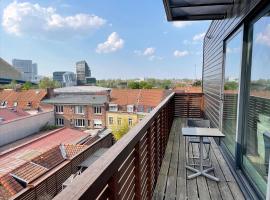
172 182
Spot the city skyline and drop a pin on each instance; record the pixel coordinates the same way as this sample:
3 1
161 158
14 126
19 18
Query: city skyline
113 45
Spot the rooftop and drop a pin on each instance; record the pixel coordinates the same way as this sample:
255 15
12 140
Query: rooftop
23 98
81 89
77 99
14 157
9 114
147 97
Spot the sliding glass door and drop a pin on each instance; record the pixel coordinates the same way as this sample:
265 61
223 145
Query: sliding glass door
256 137
232 70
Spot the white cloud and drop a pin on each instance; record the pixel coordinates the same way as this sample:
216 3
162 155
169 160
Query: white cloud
149 51
112 44
264 37
182 24
22 18
198 37
178 53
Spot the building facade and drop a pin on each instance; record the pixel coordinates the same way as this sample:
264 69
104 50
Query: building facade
82 107
236 82
9 72
66 79
26 67
82 71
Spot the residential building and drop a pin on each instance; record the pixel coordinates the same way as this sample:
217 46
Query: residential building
66 79
131 105
25 99
9 72
38 161
235 45
26 67
82 71
82 107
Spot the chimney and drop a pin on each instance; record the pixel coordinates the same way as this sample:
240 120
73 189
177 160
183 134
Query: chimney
50 93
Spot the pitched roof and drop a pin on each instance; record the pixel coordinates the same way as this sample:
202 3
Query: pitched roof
77 99
23 97
9 114
9 186
144 97
91 140
28 172
50 158
72 150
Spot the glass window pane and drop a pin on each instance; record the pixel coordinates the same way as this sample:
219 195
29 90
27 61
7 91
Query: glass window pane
233 60
257 136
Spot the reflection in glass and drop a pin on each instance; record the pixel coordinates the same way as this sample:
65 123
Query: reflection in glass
257 136
233 56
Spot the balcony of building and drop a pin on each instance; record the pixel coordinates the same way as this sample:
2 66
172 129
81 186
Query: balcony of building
149 161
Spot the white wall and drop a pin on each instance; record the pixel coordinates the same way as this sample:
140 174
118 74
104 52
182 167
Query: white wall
19 128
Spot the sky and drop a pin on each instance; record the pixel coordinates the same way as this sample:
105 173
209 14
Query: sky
118 38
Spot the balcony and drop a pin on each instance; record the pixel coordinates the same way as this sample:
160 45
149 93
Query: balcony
149 161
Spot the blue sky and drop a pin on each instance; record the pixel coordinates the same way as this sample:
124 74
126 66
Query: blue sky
118 38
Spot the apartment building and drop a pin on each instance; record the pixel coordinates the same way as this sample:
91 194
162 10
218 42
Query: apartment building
82 107
131 105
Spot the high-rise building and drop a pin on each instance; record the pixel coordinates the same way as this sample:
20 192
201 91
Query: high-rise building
34 71
28 69
82 71
65 78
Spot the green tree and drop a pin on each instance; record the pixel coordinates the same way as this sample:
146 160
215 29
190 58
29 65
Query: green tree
119 131
197 83
13 84
134 85
27 85
48 83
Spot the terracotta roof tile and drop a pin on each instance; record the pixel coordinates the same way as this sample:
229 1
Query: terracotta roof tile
28 172
72 150
143 97
23 97
50 158
9 185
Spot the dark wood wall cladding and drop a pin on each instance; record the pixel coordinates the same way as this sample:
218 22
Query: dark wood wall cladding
213 56
188 105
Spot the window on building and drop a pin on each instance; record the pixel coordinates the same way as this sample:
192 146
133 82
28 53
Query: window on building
79 123
119 121
149 109
140 108
130 122
79 109
113 107
97 123
110 120
59 109
59 122
89 122
97 109
130 108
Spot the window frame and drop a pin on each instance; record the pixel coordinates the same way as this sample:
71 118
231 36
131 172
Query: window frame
77 121
59 109
79 108
98 110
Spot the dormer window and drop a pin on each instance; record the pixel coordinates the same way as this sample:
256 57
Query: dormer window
130 108
113 107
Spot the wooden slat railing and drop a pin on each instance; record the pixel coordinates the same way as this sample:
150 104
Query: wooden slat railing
189 105
130 168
